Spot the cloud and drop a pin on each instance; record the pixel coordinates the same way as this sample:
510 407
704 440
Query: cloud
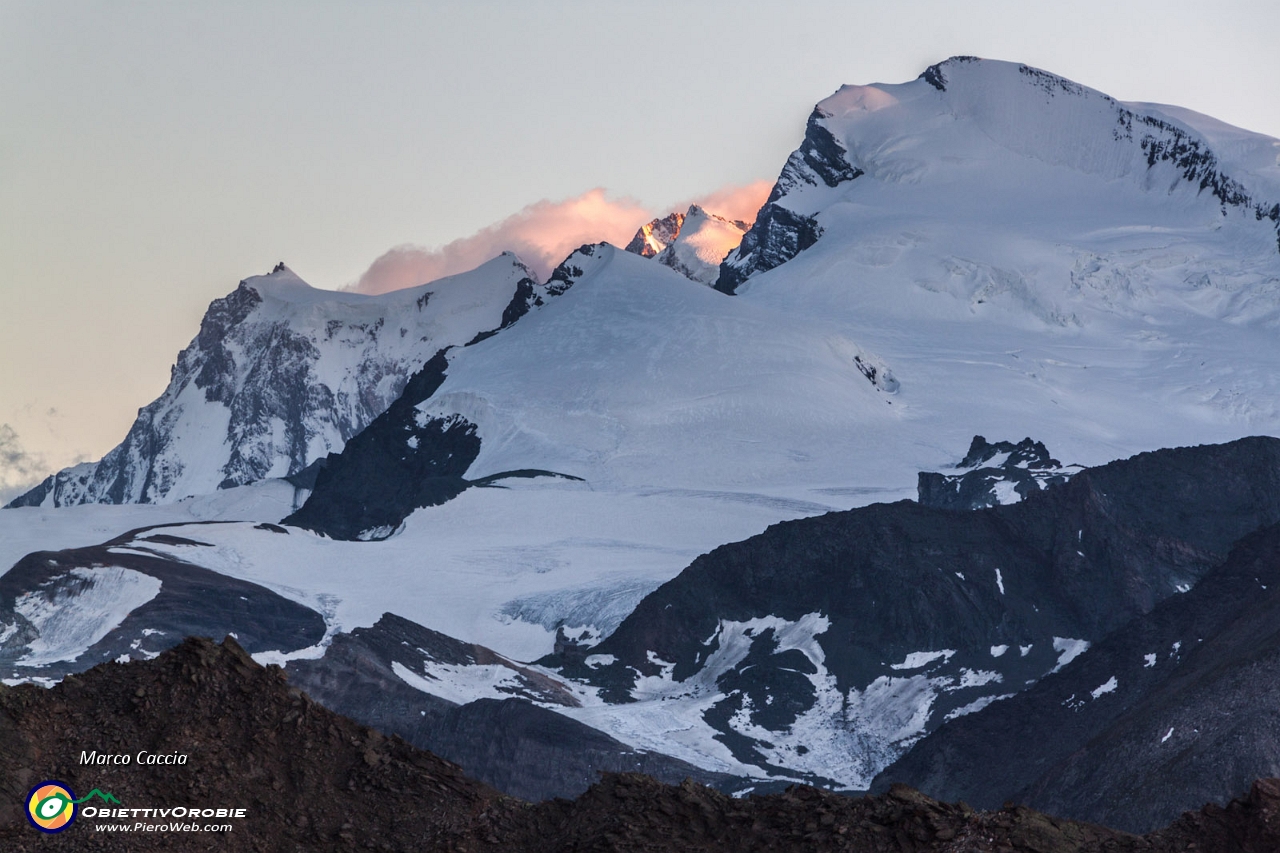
742 202
19 468
543 234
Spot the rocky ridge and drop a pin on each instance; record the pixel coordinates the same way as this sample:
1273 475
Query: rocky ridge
993 474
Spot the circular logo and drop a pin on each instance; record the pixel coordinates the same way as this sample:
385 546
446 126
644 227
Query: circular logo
51 807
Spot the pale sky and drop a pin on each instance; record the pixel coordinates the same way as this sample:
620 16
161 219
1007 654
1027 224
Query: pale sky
152 154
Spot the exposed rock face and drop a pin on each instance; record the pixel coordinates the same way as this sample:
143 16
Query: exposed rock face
935 75
398 463
829 645
407 459
282 374
779 233
993 474
656 235
310 779
1175 708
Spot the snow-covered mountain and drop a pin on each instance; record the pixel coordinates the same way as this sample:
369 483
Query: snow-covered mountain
988 249
633 378
703 242
974 147
1001 255
994 250
280 375
692 243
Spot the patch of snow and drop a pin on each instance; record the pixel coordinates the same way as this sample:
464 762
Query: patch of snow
461 683
916 660
671 712
1068 650
1109 686
997 651
30 679
999 581
280 658
976 678
1167 735
1006 492
1148 661
976 705
79 609
891 712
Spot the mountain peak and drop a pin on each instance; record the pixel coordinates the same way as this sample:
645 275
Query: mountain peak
654 236
703 241
935 75
980 139
692 243
282 374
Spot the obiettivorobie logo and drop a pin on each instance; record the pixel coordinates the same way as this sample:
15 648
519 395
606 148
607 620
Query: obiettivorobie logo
51 806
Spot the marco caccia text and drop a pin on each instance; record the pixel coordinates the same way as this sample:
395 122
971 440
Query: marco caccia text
141 757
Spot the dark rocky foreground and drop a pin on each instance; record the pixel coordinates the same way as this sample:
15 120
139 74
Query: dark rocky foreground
312 780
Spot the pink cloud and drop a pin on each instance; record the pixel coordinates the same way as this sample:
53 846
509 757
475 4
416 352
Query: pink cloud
543 234
742 202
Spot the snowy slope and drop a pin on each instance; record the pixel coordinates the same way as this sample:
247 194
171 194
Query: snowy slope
981 146
1017 253
280 375
46 528
637 376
